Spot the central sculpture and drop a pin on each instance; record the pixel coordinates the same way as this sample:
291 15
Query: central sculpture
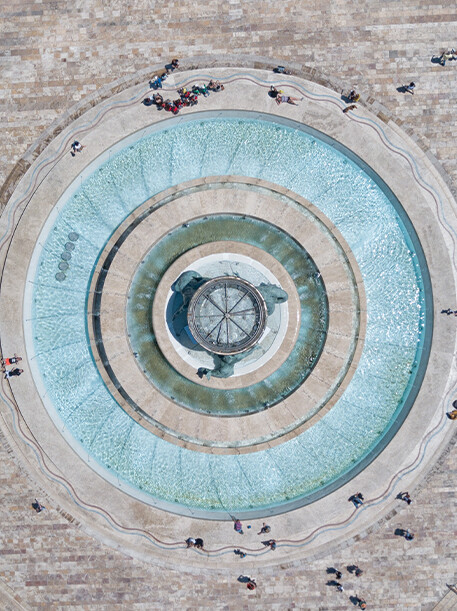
226 316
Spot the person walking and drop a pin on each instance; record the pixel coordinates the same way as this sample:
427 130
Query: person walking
239 553
449 312
76 147
357 499
408 535
447 55
405 497
410 88
38 507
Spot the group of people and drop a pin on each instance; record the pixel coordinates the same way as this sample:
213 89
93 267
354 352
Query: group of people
238 527
12 360
281 98
187 97
354 569
157 80
351 97
191 542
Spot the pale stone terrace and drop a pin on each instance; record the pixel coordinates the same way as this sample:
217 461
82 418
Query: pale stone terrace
47 562
54 54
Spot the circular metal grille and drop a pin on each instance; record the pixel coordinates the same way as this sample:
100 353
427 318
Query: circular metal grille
227 315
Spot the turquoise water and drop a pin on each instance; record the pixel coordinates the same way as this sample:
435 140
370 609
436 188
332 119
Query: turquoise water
360 420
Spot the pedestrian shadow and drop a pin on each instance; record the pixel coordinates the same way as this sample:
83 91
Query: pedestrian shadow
402 89
436 59
351 568
331 570
354 600
243 579
346 99
332 582
400 532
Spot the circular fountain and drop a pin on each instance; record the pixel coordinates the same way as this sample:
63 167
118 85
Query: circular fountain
327 383
141 380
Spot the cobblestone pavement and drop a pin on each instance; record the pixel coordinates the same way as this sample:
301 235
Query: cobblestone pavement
53 54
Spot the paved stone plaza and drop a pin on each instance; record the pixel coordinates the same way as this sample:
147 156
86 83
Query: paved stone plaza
54 55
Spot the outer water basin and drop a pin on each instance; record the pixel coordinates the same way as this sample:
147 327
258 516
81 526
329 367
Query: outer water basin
395 300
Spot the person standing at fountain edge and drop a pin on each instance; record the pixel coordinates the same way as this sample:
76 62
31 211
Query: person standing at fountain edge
238 527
